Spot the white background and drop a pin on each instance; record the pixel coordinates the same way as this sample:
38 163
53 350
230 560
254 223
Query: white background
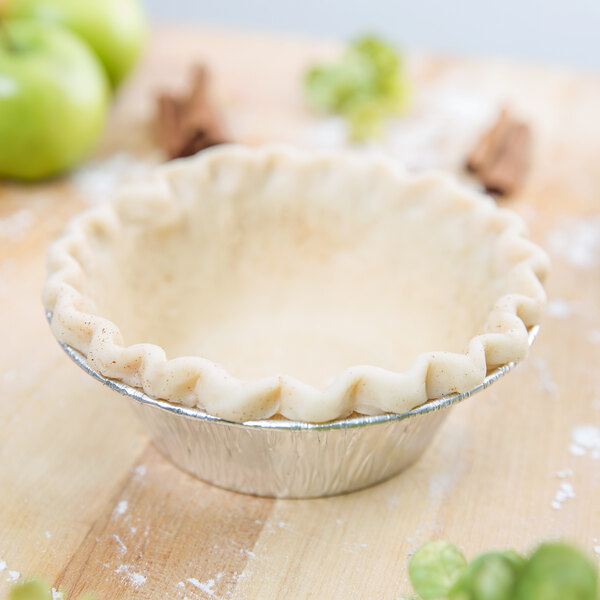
551 31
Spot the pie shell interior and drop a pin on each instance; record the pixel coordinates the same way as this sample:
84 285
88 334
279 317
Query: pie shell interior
270 281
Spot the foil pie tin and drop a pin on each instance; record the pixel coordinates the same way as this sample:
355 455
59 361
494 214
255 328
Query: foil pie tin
287 459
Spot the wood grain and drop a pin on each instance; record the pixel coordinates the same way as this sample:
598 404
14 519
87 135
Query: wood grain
219 530
72 454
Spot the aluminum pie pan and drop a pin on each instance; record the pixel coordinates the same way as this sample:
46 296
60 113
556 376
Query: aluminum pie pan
279 458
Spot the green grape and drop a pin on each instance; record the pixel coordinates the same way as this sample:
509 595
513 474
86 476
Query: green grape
34 589
557 572
335 88
491 576
366 121
365 86
434 568
515 558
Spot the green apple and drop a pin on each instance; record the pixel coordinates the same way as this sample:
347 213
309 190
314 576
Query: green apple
54 99
115 29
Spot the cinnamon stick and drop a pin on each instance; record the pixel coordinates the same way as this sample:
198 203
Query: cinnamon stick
190 123
169 111
487 145
501 157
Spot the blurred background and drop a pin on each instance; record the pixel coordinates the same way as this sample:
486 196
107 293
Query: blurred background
553 31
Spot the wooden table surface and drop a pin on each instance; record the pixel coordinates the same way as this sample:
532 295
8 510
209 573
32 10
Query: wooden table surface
89 504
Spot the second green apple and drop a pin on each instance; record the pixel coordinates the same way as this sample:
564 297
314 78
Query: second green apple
114 29
54 97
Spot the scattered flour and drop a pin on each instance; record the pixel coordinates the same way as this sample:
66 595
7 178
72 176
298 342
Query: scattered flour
441 483
597 549
446 120
594 336
577 242
547 382
140 471
11 576
564 474
121 507
135 579
565 491
206 587
123 547
330 132
9 376
97 180
561 309
584 439
576 450
56 595
15 226
48 535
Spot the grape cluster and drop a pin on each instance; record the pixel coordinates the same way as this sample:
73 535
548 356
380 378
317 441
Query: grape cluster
365 86
555 571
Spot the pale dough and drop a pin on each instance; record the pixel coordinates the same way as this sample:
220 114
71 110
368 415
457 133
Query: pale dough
319 284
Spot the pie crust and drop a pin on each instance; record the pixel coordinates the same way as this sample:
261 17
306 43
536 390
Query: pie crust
255 282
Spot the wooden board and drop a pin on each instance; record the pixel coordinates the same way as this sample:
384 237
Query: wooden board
88 503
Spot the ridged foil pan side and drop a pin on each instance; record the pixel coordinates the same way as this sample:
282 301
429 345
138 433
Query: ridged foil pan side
289 463
288 459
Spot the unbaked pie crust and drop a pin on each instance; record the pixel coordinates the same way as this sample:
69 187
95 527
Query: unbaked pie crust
256 282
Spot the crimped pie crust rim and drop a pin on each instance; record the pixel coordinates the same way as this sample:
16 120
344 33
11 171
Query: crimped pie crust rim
285 424
431 375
